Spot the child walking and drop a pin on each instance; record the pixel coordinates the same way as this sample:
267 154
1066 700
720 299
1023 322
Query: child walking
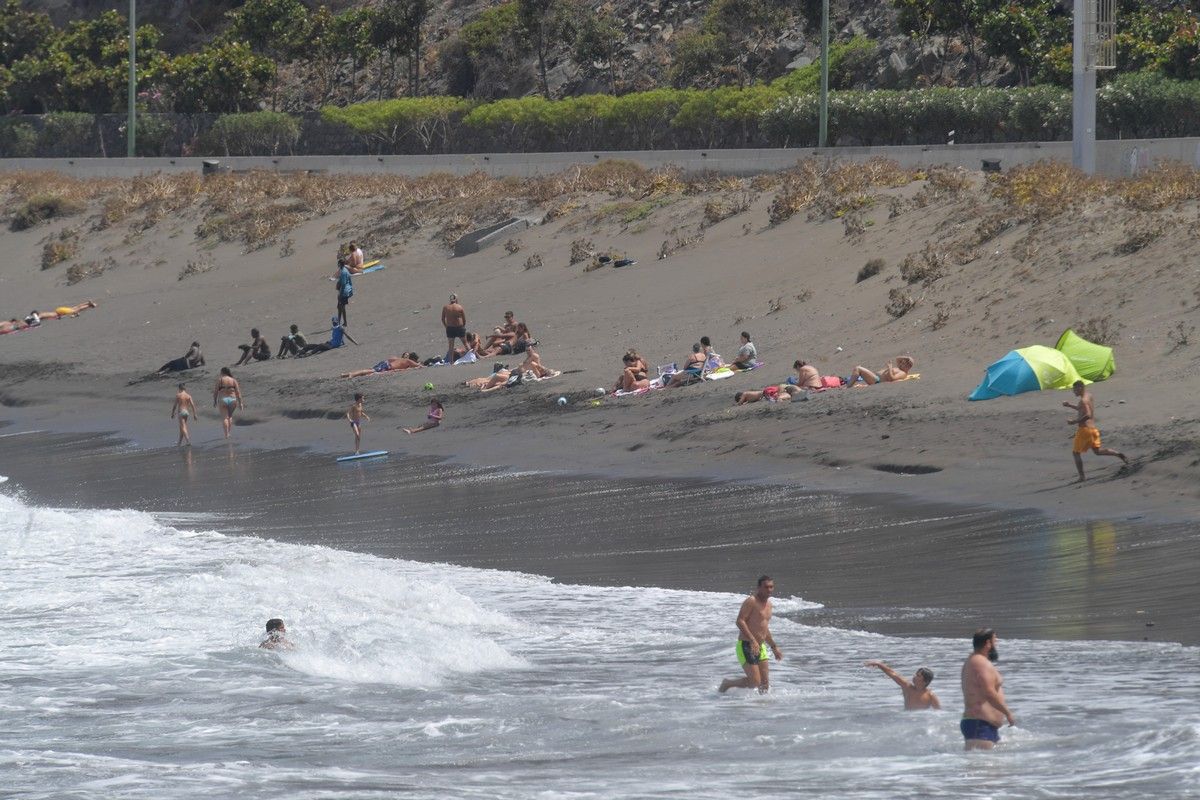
356 415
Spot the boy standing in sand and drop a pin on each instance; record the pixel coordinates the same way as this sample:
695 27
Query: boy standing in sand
1087 435
754 636
185 407
356 415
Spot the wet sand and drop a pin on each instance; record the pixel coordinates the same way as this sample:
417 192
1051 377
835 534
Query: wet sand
877 563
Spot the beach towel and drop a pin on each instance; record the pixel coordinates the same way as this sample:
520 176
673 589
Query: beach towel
728 371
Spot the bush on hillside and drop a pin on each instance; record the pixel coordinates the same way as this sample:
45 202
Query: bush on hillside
257 133
422 124
43 207
66 133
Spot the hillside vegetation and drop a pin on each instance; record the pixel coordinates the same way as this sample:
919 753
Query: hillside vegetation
294 55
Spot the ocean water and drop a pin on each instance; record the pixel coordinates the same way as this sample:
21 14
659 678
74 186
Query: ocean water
128 646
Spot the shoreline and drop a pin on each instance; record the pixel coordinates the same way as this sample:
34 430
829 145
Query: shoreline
916 585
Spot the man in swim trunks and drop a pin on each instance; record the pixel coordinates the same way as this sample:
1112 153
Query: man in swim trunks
227 395
984 709
356 415
754 636
1087 435
184 407
917 696
276 636
454 320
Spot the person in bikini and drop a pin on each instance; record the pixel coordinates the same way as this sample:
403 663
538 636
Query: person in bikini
1087 435
782 393
433 418
390 364
530 368
635 375
66 311
354 259
898 371
13 325
183 407
693 368
500 375
227 395
917 696
984 708
807 376
754 636
356 415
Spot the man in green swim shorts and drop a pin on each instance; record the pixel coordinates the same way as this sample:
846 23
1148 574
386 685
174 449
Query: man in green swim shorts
754 636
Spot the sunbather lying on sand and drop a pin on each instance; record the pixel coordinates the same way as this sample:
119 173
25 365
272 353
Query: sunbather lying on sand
499 375
65 311
390 364
692 369
531 367
636 374
891 372
193 359
12 326
783 393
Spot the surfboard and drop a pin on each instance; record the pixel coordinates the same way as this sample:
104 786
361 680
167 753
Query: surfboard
360 456
375 268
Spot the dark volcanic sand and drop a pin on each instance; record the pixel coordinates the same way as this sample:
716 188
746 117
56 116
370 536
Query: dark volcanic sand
875 563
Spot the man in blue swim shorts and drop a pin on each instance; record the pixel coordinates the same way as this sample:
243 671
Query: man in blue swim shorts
754 636
984 709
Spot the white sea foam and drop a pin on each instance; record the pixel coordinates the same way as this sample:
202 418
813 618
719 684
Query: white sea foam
130 653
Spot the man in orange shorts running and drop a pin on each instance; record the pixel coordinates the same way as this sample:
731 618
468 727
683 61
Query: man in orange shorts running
1087 435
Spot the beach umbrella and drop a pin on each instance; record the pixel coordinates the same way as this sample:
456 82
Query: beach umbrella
1027 369
1094 361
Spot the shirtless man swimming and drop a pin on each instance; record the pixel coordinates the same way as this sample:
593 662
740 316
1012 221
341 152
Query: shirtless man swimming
454 320
227 395
917 696
754 636
984 709
276 636
1087 435
184 407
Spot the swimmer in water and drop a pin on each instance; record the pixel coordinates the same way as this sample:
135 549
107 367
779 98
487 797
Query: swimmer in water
984 706
184 407
227 395
276 638
916 692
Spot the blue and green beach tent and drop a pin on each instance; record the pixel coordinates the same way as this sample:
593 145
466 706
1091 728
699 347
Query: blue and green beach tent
1094 361
1027 369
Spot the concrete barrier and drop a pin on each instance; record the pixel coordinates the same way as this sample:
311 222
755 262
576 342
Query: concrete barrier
1113 157
478 239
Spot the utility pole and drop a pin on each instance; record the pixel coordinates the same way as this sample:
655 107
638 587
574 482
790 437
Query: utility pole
1083 92
823 128
131 123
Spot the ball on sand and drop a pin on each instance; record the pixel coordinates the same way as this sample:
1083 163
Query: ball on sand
562 401
600 391
429 387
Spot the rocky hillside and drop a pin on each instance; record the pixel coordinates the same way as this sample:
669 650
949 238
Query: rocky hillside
469 48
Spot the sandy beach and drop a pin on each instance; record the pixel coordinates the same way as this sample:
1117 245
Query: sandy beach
163 279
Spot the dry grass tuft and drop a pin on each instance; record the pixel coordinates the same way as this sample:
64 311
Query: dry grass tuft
899 303
42 208
63 249
582 250
533 262
196 268
926 267
870 270
835 189
1139 234
1101 330
88 270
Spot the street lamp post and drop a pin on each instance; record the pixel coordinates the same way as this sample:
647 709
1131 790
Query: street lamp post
823 127
131 123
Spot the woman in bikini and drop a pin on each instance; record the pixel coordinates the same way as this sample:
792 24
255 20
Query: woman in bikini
692 370
891 372
635 375
227 396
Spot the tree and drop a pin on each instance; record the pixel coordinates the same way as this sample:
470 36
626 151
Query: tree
352 33
279 29
1021 32
541 20
23 34
597 38
947 18
227 77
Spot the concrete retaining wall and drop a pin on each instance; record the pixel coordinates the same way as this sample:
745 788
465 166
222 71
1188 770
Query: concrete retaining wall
1113 157
477 240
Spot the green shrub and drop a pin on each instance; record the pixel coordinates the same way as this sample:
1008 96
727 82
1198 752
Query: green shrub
846 61
17 139
67 133
154 133
257 133
424 122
